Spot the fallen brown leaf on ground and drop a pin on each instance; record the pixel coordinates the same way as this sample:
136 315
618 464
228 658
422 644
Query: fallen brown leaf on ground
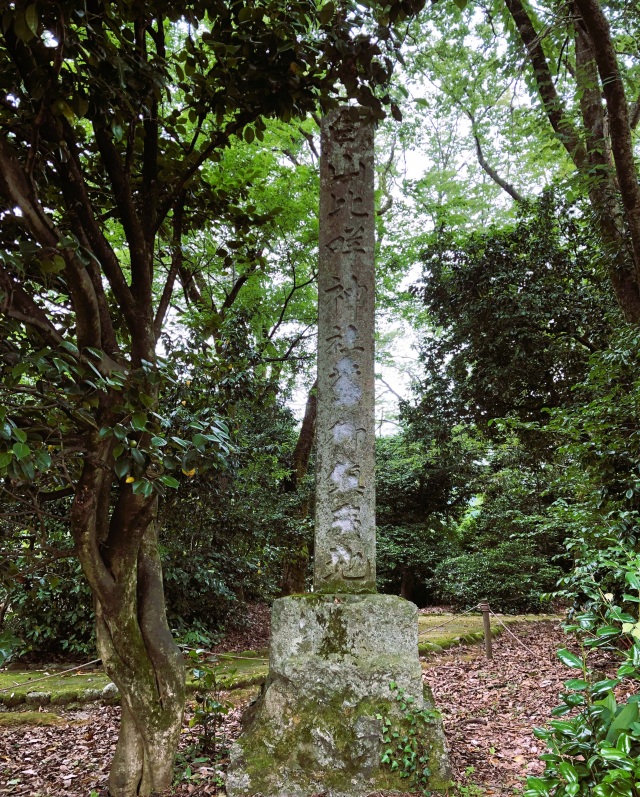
488 707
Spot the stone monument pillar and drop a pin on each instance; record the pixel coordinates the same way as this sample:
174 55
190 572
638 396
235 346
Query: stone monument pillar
345 536
316 728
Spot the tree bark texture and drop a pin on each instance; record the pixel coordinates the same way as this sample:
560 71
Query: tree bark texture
592 149
120 559
294 567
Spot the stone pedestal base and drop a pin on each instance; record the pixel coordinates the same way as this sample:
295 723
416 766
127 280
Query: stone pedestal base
316 727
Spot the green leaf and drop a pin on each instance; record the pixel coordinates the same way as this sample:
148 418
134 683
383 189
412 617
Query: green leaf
620 758
569 772
31 18
633 580
170 481
62 108
20 435
570 659
576 684
142 487
604 686
122 467
139 421
627 715
26 466
43 460
537 785
21 28
21 450
5 458
326 13
199 440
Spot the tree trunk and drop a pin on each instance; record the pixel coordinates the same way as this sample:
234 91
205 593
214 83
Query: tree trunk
141 658
618 222
406 585
294 567
119 555
294 571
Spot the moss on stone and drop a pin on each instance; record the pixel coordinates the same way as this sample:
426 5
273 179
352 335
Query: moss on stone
285 750
16 684
335 632
429 647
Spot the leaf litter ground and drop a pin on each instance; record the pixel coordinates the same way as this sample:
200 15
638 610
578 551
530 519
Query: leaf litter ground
488 707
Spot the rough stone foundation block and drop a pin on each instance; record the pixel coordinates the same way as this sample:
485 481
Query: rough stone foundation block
315 728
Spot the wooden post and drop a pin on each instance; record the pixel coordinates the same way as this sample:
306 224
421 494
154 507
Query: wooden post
486 622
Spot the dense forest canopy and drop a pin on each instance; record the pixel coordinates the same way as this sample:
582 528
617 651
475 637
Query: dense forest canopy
158 234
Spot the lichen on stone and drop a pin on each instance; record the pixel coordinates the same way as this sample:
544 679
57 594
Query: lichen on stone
317 725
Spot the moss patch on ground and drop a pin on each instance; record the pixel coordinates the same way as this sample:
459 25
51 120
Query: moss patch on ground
238 670
15 685
235 671
440 631
42 718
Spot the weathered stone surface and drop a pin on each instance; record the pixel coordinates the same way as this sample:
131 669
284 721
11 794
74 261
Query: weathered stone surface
316 726
38 698
89 695
110 694
344 559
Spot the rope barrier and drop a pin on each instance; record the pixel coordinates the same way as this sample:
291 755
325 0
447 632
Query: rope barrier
509 631
498 619
452 620
53 675
243 658
232 656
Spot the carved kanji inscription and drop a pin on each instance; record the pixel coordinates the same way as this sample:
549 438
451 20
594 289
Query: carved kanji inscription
345 501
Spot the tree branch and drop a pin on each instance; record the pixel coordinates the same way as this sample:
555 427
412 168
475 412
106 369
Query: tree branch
493 174
599 31
140 253
176 267
552 103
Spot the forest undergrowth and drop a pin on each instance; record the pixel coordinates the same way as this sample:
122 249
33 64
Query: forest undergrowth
489 709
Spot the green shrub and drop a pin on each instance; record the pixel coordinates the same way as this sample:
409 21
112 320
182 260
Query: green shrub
52 611
594 750
512 578
407 555
196 592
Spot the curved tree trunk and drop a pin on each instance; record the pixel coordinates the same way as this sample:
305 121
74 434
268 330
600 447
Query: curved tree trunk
605 160
141 658
119 556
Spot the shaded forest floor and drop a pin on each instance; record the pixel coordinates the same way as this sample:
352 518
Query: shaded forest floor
488 707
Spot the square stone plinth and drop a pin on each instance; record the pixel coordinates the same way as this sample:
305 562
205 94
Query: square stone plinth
337 663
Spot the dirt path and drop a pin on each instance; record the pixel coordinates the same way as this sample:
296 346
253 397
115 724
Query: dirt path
489 709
